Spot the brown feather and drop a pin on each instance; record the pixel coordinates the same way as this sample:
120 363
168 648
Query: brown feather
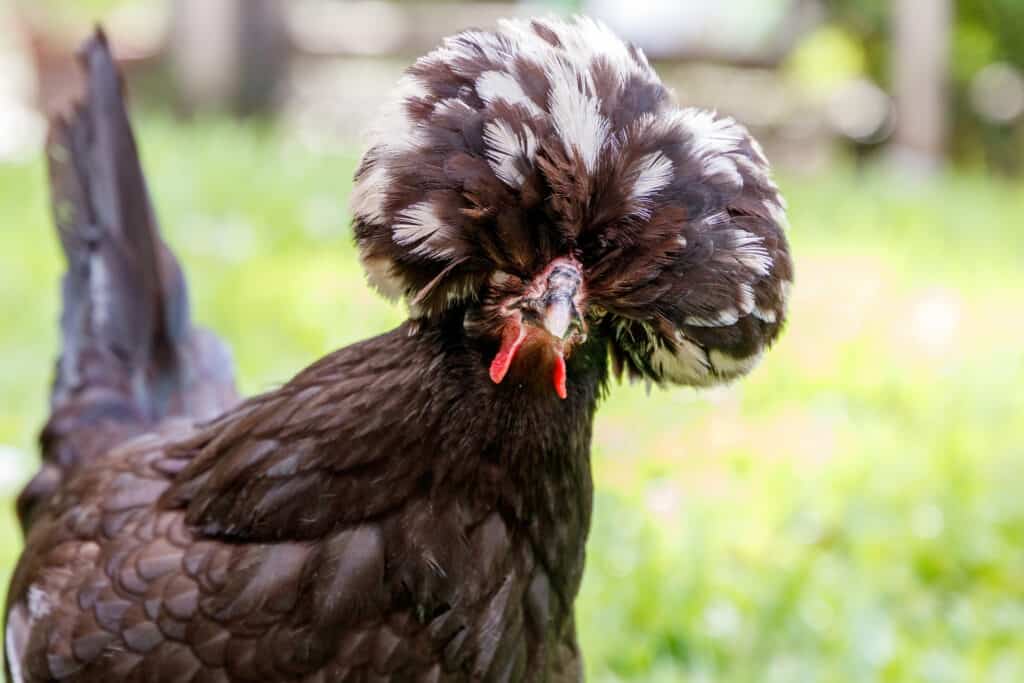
391 513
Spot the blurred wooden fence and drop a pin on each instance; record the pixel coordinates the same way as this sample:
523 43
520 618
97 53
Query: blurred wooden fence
235 55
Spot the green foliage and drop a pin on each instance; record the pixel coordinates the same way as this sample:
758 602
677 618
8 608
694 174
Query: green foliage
826 59
868 22
851 512
983 32
84 10
1002 21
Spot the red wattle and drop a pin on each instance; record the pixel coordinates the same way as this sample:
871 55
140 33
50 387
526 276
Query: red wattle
511 339
559 376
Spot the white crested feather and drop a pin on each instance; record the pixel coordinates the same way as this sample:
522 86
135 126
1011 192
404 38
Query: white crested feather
379 274
587 39
573 109
369 193
686 362
724 318
765 314
575 113
420 225
653 172
746 300
711 134
716 142
728 367
497 85
682 362
747 249
724 167
520 32
505 147
470 45
394 130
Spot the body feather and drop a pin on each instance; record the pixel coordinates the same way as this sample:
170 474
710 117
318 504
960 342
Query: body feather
414 507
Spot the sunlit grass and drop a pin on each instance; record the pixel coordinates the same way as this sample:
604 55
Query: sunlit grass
851 512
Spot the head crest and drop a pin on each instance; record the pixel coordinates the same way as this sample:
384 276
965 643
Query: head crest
487 134
505 150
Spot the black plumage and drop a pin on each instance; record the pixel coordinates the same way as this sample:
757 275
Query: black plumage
413 507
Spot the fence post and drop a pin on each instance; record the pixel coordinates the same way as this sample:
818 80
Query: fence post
920 63
228 54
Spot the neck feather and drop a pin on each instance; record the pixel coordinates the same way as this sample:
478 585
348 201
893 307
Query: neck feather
503 439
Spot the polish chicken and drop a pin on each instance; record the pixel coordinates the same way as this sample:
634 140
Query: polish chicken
414 507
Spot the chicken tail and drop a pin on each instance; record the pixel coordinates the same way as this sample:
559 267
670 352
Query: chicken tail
130 355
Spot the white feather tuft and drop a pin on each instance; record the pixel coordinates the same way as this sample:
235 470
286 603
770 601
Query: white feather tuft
711 135
682 362
653 172
723 318
576 115
765 314
747 249
379 274
728 367
717 140
420 225
746 300
586 39
369 193
724 167
506 147
496 85
394 130
471 45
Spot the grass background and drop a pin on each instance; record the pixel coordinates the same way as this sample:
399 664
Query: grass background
854 511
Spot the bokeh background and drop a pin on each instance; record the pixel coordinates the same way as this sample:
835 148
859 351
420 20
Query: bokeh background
854 511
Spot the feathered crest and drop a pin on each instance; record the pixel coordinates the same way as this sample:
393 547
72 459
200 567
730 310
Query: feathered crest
492 152
506 149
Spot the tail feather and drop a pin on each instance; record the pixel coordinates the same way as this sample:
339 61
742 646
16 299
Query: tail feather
131 356
123 289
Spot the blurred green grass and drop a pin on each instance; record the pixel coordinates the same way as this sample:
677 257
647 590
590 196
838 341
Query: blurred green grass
851 512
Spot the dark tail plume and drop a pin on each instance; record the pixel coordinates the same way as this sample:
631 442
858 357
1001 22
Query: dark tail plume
130 355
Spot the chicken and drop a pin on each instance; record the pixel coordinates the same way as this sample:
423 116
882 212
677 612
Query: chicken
414 507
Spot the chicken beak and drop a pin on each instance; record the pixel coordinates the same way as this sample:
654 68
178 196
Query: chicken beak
554 311
560 317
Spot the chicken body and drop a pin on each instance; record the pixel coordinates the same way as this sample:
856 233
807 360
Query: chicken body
390 514
413 508
365 522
